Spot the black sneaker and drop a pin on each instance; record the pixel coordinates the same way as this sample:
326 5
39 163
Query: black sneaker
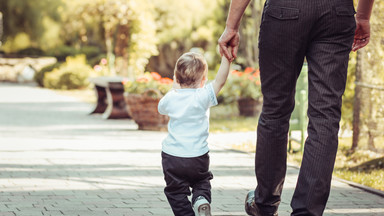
202 207
251 208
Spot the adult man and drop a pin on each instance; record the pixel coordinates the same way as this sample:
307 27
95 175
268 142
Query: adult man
323 32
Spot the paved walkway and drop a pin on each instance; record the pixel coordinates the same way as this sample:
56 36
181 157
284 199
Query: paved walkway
57 160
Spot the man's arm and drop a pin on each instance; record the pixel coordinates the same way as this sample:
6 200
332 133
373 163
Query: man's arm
362 34
231 36
222 75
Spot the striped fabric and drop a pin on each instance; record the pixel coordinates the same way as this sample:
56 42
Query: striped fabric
320 31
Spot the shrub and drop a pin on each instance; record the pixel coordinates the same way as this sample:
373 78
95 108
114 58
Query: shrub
241 84
62 52
149 81
96 59
31 51
90 51
39 75
73 74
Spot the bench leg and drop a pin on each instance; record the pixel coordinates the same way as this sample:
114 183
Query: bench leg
117 107
101 104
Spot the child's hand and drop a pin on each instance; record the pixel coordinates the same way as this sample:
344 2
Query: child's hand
230 54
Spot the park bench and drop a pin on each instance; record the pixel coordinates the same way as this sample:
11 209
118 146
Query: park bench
110 97
299 119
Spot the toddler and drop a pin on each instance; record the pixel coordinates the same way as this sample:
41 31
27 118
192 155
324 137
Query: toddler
185 158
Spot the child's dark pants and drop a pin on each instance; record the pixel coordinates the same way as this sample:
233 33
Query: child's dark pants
182 173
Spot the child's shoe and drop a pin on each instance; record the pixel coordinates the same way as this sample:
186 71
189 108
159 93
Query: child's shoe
202 207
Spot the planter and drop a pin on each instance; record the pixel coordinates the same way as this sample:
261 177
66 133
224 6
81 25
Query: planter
249 107
143 110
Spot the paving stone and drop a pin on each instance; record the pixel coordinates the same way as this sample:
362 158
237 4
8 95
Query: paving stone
58 160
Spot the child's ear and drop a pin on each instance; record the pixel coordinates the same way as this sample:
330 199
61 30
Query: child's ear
203 81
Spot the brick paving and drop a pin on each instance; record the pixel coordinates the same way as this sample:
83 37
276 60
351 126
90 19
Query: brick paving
57 160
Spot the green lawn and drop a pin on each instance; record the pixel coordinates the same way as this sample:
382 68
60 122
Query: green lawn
226 118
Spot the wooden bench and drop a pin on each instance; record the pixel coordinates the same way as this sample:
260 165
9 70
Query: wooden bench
110 97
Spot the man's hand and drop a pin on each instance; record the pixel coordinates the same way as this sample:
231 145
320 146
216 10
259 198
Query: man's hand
229 39
362 34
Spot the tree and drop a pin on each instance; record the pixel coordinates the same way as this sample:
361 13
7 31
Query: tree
126 27
357 103
1 28
27 17
369 90
249 31
182 25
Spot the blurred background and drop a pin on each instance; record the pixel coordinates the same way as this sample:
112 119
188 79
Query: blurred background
135 36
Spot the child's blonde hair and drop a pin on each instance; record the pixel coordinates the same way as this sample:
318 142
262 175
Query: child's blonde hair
190 69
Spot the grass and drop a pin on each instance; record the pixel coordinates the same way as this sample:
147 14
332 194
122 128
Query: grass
225 118
362 166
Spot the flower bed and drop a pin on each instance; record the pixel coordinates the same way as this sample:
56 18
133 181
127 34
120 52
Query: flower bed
142 98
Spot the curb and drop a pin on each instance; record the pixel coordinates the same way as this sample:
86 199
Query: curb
361 187
350 183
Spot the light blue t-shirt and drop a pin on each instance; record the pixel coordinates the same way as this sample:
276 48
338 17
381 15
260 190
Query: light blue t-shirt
188 111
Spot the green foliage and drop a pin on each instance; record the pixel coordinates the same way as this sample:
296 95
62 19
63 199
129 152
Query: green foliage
96 59
151 83
126 30
248 54
73 74
182 25
18 42
31 51
349 94
26 17
62 52
39 75
371 81
244 84
225 118
183 19
371 178
90 51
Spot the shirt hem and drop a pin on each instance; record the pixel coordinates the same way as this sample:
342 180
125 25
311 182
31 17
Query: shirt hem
198 154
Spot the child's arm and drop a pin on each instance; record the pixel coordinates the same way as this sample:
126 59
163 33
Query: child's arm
222 75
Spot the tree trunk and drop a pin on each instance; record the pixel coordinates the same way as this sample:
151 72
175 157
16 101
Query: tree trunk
164 63
357 103
121 51
1 28
249 31
109 47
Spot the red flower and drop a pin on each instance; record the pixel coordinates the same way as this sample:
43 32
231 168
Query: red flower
166 80
248 70
142 79
125 81
237 73
103 61
97 68
155 76
256 73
